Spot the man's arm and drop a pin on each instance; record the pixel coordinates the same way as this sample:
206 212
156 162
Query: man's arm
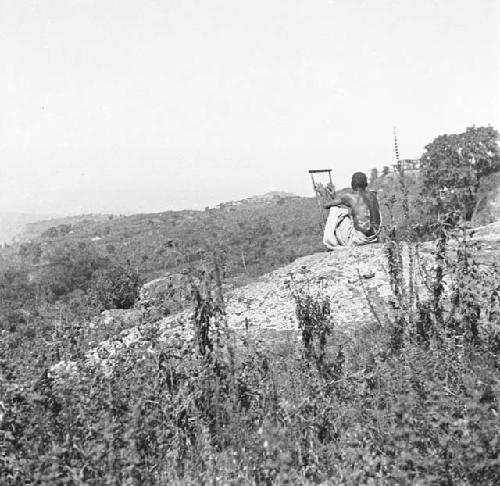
338 201
344 199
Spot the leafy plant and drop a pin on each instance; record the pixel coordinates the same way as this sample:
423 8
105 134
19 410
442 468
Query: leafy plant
452 167
114 288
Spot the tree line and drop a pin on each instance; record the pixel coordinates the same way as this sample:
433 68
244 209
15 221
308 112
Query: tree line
449 174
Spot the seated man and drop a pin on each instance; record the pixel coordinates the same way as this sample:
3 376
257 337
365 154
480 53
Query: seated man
354 217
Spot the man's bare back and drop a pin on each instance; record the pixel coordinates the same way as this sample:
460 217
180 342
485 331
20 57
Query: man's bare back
362 205
363 208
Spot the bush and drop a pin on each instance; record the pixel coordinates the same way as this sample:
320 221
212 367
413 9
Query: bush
452 167
69 267
114 288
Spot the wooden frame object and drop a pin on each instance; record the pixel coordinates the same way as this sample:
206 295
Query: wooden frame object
322 211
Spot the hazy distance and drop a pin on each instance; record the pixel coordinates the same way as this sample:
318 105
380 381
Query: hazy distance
122 106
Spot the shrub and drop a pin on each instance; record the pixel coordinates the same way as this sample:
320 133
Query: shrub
313 315
114 288
69 266
452 167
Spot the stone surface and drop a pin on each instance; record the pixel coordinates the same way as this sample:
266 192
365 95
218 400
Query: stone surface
354 279
347 276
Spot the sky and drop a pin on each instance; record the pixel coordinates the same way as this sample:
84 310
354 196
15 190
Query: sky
125 106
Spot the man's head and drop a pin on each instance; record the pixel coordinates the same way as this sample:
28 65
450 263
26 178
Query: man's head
359 181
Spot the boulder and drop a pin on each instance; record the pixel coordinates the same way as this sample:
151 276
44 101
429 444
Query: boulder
165 294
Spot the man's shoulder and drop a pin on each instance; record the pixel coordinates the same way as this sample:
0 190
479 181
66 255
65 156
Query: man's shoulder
346 193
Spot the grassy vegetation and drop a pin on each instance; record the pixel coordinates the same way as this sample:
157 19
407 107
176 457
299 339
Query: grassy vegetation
412 401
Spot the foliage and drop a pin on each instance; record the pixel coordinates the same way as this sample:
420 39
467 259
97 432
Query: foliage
69 266
314 322
18 296
390 191
114 288
257 236
413 399
31 252
452 167
246 409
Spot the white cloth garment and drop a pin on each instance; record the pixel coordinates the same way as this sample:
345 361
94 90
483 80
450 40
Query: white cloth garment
340 231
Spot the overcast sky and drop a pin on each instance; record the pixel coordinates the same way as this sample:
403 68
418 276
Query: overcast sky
149 105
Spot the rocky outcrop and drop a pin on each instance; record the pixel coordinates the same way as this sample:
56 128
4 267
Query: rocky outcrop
347 276
164 295
355 280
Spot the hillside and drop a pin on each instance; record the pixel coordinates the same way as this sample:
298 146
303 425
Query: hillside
317 365
33 230
257 235
33 227
325 372
251 237
12 224
356 281
58 262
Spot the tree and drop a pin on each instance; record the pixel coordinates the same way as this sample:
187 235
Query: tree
452 166
69 266
116 287
31 251
50 233
64 229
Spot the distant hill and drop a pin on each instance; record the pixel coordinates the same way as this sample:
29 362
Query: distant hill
35 229
255 235
12 224
273 195
269 197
